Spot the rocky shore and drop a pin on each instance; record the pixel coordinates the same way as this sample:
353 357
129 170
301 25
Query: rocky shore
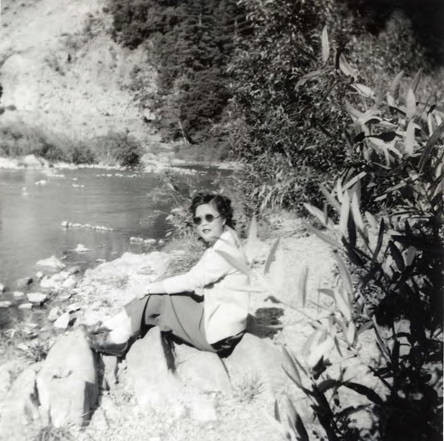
52 380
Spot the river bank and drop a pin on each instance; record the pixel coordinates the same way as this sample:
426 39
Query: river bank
246 412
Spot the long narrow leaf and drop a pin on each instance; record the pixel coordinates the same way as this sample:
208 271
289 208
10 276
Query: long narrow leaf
330 199
235 262
346 276
303 278
364 390
409 140
379 241
325 45
271 256
410 103
345 212
314 211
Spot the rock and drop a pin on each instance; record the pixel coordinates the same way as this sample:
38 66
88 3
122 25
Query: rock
202 408
25 306
153 383
51 262
258 361
39 275
37 298
20 407
80 248
54 313
193 367
67 382
2 288
41 182
63 321
8 371
31 161
18 295
24 282
74 307
69 283
5 304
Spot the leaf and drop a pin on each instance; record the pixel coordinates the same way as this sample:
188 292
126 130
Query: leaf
416 80
429 145
364 90
325 45
379 241
397 256
330 199
314 211
327 384
235 262
355 179
277 415
343 304
303 284
271 256
351 230
371 220
346 69
309 76
351 333
395 83
410 103
364 390
346 276
356 212
345 212
385 136
300 428
409 140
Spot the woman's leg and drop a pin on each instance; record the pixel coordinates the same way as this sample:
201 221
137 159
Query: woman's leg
182 314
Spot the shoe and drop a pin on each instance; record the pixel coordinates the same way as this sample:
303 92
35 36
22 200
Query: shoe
99 342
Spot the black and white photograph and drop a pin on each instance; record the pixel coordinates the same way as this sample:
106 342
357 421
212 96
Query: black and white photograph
221 220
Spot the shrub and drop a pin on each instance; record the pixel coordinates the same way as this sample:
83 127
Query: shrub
117 148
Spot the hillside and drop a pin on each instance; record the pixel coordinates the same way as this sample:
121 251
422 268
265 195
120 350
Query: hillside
61 73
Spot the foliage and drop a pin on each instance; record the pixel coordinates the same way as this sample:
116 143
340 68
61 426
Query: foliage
189 43
397 254
289 96
117 148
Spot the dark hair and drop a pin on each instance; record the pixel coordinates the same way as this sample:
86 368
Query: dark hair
221 203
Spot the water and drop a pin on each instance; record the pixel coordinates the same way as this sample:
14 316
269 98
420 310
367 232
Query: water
33 204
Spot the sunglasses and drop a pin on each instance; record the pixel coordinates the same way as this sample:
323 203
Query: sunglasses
208 217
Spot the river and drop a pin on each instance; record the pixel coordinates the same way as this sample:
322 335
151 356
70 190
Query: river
35 203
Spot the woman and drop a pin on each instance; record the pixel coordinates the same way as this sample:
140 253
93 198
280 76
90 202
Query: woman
206 307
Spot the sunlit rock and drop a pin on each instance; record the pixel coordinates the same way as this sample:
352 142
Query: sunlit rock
37 298
63 321
20 406
51 262
25 306
5 304
67 382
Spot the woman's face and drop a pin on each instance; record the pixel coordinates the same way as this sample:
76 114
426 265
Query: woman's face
209 223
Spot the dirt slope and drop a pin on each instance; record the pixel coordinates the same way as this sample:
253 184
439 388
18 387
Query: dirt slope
61 72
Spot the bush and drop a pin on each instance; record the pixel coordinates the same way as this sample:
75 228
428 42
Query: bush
117 148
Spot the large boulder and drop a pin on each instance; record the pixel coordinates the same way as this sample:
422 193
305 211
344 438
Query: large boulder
203 371
153 384
67 383
259 362
19 409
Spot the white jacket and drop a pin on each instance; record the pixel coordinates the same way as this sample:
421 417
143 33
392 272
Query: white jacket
225 289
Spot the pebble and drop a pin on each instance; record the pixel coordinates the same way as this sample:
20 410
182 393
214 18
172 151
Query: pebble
25 306
63 321
74 307
37 297
5 304
2 287
18 294
53 313
39 275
